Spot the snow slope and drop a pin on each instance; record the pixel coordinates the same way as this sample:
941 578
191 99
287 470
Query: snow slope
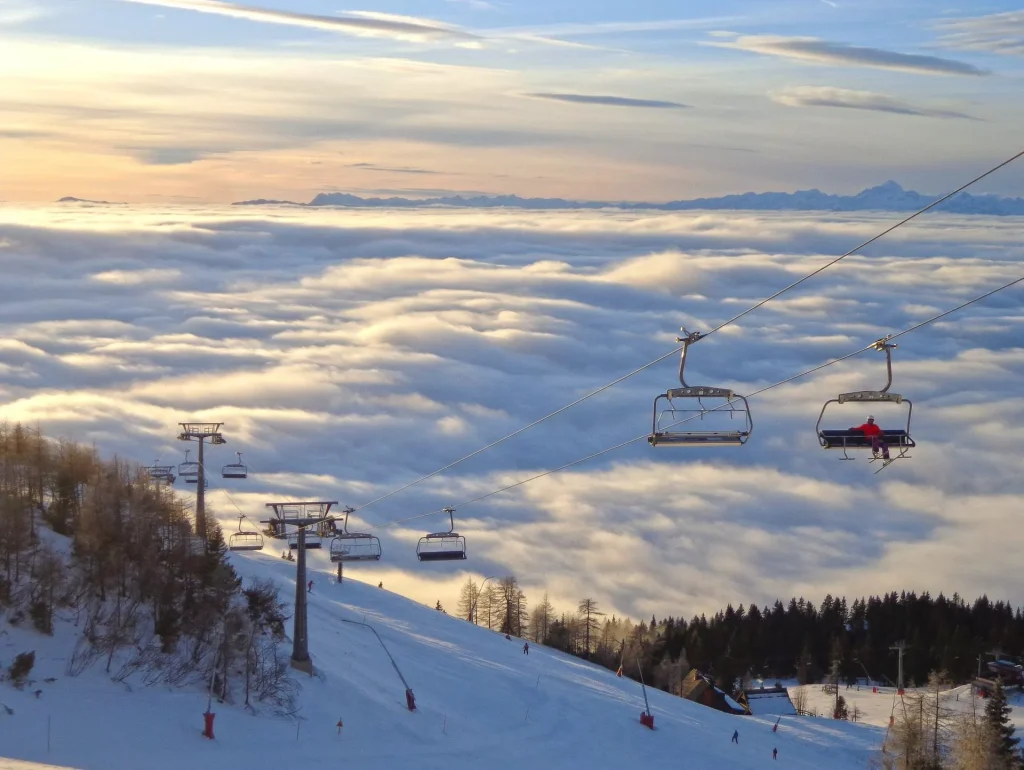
481 702
875 707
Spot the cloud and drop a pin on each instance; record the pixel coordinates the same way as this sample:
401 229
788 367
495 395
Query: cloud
15 13
137 277
609 101
349 354
814 50
1000 33
392 169
826 96
168 156
363 24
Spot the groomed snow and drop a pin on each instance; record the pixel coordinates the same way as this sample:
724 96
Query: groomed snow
481 703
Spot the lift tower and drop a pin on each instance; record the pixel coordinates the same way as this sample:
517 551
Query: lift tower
201 431
300 516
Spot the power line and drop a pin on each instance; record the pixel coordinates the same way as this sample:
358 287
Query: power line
721 326
765 389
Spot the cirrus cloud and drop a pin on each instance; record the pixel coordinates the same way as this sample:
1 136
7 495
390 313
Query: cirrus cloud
816 51
827 96
364 24
610 101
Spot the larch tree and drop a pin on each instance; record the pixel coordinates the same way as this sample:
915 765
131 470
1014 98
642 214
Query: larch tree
469 597
588 620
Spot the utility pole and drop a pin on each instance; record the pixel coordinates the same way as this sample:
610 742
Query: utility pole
300 516
900 647
201 431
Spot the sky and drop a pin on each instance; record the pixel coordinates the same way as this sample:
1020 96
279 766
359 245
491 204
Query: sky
204 101
350 352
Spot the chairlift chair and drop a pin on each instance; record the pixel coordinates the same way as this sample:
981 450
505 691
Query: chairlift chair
442 546
681 409
354 546
312 540
245 540
235 470
189 470
845 439
161 473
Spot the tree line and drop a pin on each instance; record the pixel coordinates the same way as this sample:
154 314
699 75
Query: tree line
794 639
152 598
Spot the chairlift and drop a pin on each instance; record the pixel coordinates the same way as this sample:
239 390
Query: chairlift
312 539
161 472
442 546
235 470
245 540
188 470
354 546
688 402
898 440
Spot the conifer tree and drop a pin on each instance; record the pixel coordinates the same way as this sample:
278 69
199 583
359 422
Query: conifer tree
997 714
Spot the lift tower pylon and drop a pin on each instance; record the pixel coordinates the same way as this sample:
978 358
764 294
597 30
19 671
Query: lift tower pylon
201 431
300 516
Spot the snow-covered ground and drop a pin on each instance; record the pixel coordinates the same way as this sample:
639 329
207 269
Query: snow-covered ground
874 708
481 702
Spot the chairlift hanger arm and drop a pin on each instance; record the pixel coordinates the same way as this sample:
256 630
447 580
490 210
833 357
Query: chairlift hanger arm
687 340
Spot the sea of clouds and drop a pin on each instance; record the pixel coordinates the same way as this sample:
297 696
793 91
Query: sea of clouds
350 352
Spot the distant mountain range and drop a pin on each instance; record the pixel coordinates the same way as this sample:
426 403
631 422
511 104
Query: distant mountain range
885 197
69 199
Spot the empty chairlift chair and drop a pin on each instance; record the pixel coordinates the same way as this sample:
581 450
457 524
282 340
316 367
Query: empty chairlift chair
235 470
161 473
672 423
898 440
313 539
354 546
188 470
245 540
442 546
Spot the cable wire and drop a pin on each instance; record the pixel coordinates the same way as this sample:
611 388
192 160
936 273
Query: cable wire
721 326
765 389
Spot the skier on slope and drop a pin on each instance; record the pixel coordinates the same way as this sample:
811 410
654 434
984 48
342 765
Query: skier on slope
526 648
873 432
735 736
309 588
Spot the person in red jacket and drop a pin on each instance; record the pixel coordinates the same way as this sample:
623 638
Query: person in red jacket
873 432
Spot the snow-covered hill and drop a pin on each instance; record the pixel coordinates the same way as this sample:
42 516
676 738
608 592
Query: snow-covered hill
481 702
875 707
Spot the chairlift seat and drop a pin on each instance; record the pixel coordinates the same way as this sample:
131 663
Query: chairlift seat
245 541
441 546
701 438
234 472
355 546
312 541
855 439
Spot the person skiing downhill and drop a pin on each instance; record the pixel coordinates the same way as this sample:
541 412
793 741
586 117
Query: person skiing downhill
526 648
309 588
735 736
775 753
873 432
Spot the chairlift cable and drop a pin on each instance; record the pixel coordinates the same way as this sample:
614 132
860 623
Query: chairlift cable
765 389
732 320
